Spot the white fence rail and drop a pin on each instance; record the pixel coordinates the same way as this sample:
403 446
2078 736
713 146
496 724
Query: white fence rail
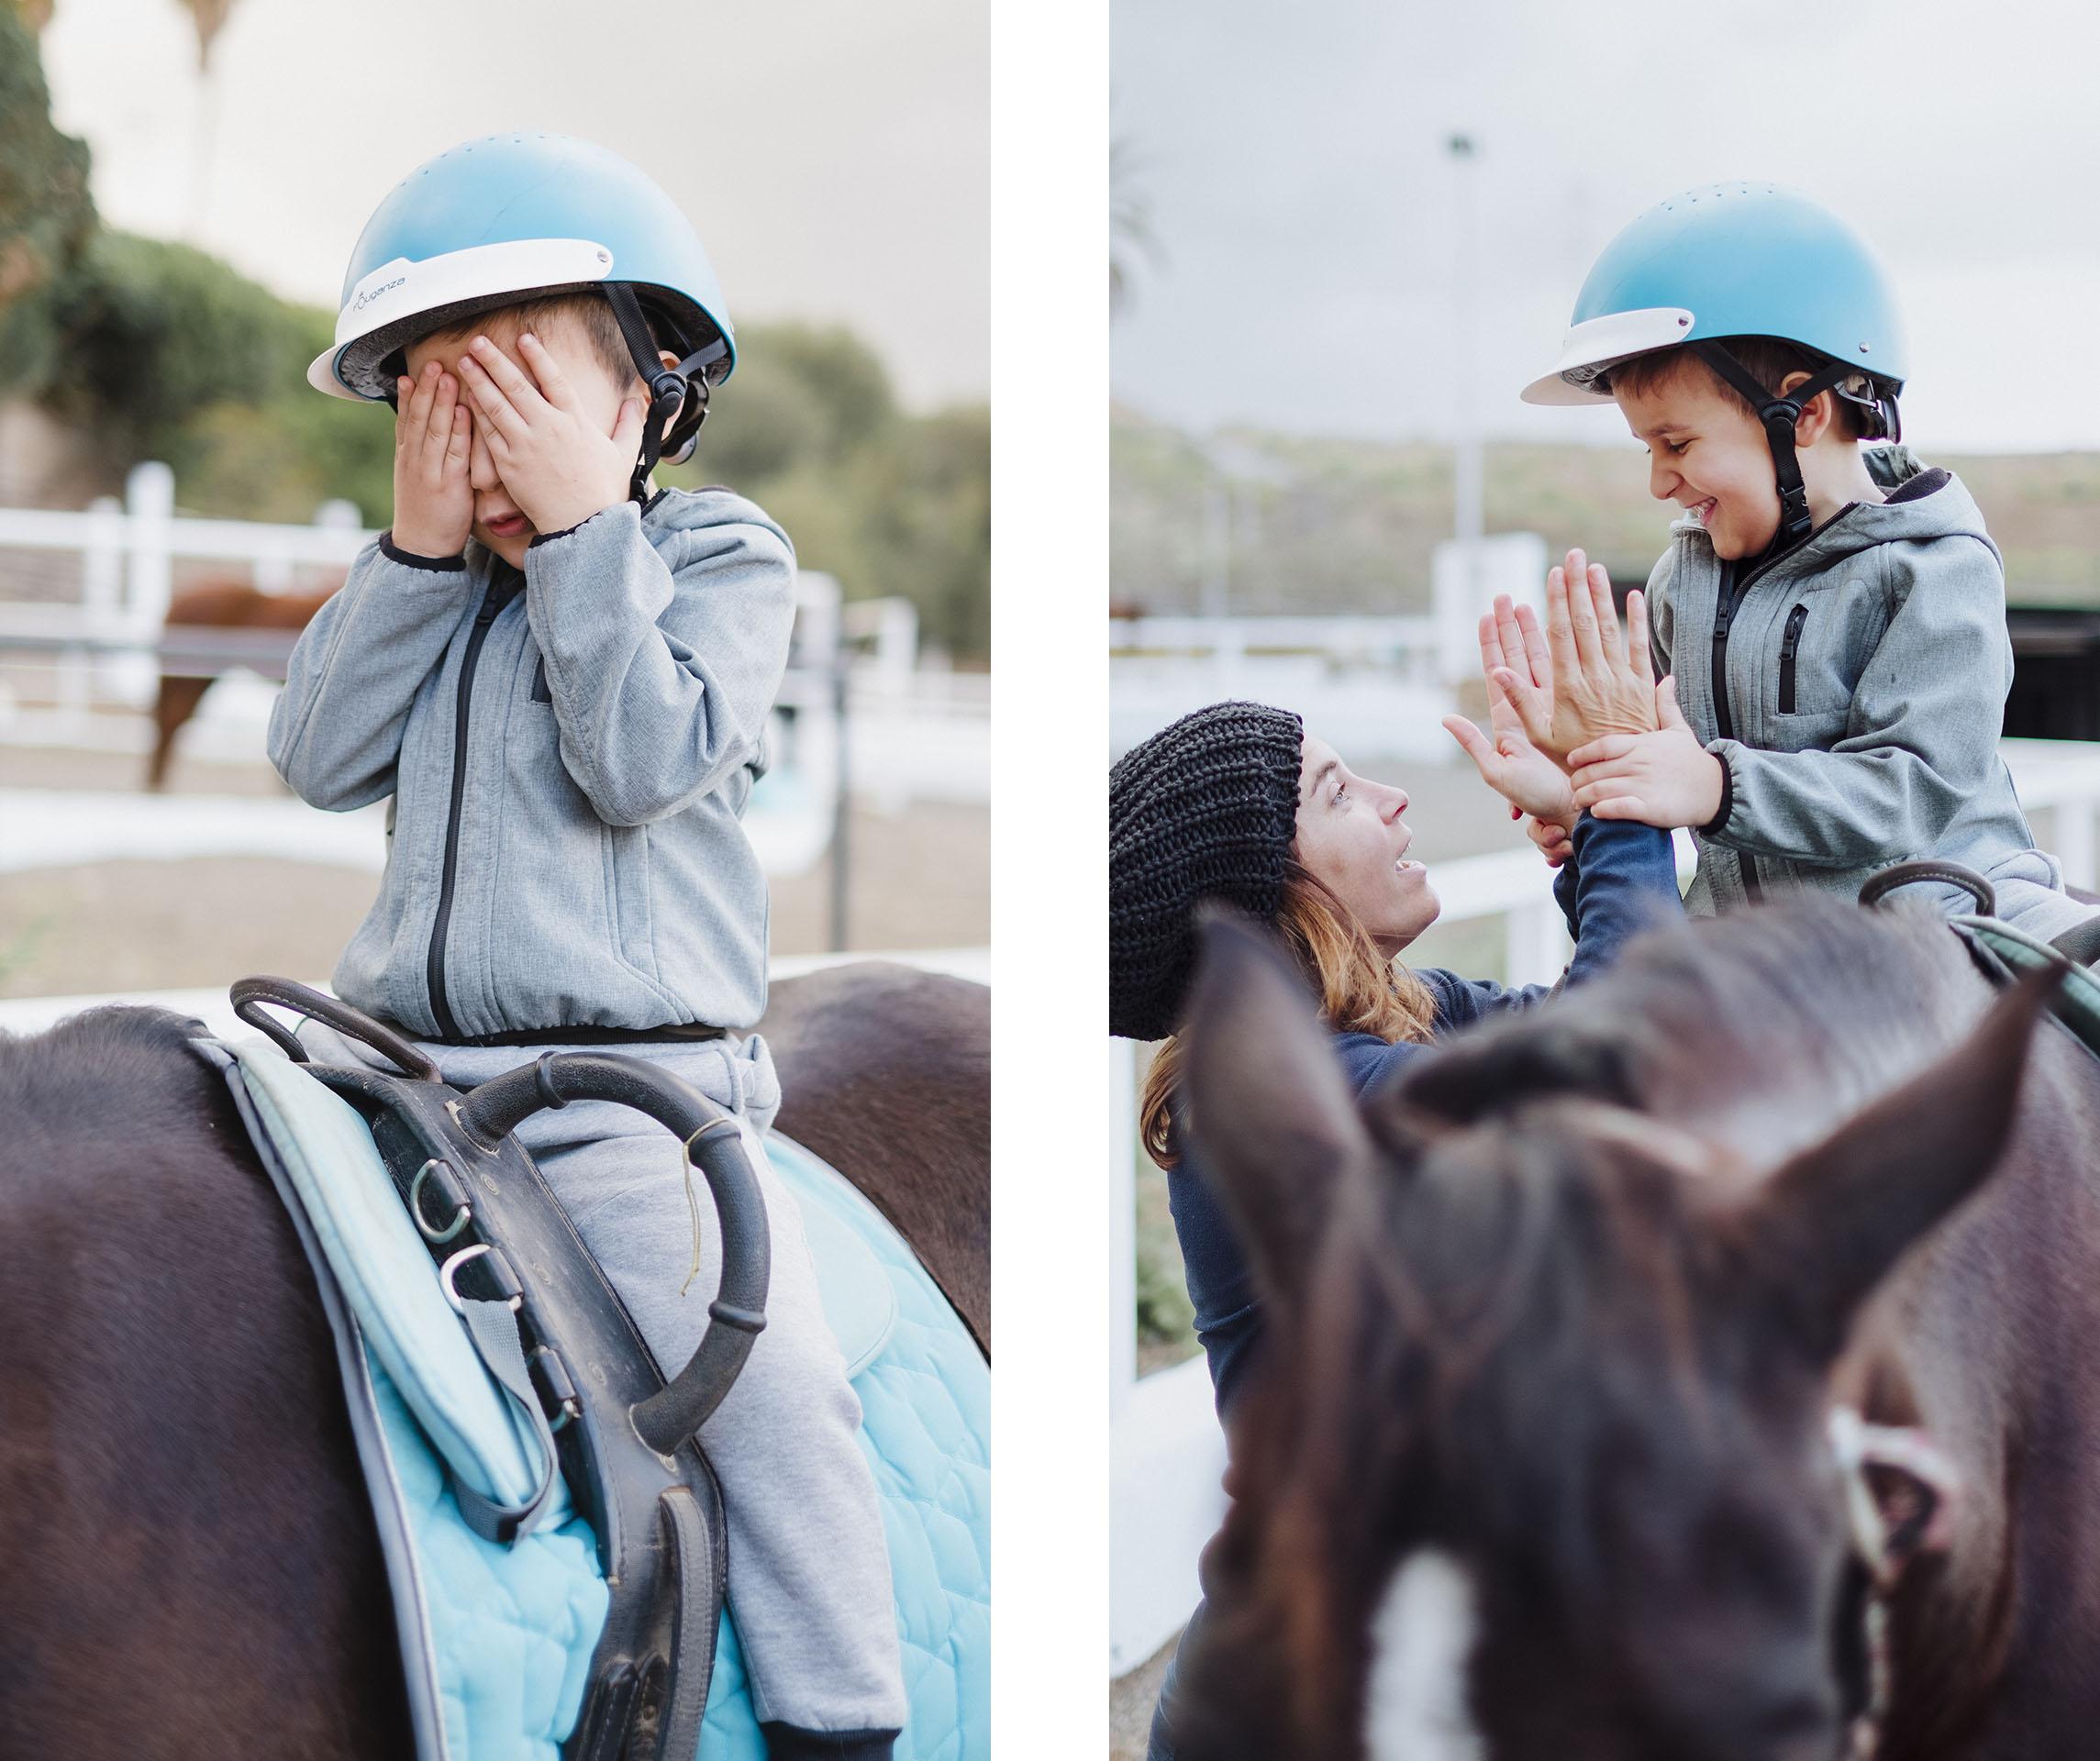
128 550
1166 1455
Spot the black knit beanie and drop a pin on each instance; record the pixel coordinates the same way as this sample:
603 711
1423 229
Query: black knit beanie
1205 809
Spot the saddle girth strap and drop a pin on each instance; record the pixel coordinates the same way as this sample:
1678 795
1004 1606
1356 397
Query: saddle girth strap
2081 943
695 1616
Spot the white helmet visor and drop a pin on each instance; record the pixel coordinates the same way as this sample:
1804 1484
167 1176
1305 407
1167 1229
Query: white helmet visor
1598 344
403 300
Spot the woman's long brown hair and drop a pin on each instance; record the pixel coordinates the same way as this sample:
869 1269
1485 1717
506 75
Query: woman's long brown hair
1361 991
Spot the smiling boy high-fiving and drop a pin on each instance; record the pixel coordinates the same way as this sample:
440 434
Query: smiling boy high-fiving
560 674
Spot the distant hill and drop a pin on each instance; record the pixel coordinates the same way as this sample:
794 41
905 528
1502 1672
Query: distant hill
1349 525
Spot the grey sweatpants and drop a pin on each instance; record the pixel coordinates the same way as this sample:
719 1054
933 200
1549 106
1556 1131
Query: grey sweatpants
2030 896
810 1574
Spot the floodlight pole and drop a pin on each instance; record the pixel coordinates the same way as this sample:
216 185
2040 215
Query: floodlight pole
1468 517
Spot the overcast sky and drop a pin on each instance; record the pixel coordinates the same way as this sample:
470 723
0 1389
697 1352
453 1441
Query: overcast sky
1293 157
832 153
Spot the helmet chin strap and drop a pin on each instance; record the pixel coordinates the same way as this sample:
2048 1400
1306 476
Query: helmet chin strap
1779 413
669 388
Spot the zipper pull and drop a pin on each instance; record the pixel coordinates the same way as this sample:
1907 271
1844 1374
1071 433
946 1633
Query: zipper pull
1792 640
1789 646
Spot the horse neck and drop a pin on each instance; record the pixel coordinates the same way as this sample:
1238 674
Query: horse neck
1978 1337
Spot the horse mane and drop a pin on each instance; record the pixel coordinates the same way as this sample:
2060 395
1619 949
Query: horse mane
1759 1029
126 1066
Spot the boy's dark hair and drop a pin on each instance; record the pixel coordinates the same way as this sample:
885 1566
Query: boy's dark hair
589 308
1767 359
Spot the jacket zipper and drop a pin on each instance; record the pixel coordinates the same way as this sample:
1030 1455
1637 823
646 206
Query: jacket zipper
1732 593
434 969
1789 645
1730 596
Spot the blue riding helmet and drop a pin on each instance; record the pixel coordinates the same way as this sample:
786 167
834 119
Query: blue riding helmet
1742 260
512 216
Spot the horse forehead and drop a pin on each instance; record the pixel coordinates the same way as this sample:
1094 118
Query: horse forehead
1422 1640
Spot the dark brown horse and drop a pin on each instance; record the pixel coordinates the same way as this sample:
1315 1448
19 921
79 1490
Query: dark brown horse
1538 1465
190 1565
217 606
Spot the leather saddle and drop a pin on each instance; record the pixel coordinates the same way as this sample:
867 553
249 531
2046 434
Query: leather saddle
556 1338
2004 953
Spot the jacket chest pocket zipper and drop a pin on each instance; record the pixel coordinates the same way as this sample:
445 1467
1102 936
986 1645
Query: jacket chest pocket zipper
1789 646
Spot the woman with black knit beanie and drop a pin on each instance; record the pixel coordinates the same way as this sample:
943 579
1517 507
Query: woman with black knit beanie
1238 803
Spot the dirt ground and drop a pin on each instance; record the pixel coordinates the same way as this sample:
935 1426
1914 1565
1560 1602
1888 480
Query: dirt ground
919 879
1130 1702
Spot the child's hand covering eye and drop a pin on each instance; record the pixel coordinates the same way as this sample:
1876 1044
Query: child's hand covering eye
555 462
433 501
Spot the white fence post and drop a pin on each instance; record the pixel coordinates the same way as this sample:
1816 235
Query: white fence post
1535 944
149 536
102 561
149 500
101 598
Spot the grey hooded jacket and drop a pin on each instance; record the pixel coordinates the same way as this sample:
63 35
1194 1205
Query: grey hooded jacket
1865 674
569 754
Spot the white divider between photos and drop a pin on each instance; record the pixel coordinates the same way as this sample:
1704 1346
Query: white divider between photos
1166 1454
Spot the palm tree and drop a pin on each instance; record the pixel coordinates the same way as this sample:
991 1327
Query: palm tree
208 16
1129 220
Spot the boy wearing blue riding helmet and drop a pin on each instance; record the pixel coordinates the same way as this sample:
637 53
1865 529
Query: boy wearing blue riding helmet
560 677
1832 614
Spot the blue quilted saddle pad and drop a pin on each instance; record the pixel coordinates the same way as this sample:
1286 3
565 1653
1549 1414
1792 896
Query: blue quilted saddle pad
501 1637
926 1403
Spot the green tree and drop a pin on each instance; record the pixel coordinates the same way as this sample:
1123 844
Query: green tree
891 503
46 217
154 332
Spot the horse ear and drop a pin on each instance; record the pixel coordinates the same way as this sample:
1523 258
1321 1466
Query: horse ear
1830 1223
1488 1073
1269 1107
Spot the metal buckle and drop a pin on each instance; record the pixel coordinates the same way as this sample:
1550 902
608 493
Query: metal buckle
550 1382
448 1182
450 1270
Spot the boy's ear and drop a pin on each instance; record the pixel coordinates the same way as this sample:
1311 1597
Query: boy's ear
1816 414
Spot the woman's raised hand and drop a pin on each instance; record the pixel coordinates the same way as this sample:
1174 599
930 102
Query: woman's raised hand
1603 682
1510 764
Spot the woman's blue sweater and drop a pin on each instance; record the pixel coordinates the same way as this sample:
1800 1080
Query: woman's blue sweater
1622 878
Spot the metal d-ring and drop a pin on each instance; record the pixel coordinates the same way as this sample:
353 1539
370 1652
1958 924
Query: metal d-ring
460 1221
450 1271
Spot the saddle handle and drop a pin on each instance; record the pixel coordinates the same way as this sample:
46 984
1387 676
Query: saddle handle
715 1144
1884 881
249 994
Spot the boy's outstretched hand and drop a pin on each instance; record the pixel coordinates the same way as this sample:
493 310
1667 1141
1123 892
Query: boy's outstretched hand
433 502
554 461
1664 778
1510 765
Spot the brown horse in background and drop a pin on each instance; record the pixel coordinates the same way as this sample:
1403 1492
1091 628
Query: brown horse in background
1537 1464
224 605
190 1565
